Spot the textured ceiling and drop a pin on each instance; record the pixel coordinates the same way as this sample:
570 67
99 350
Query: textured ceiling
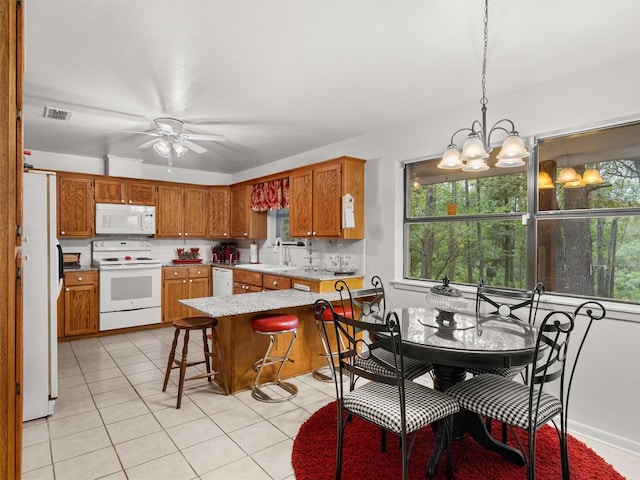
280 77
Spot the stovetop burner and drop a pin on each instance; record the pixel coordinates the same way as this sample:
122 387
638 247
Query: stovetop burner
122 252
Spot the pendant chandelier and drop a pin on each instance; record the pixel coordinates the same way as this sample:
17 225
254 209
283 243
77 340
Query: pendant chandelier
476 149
169 148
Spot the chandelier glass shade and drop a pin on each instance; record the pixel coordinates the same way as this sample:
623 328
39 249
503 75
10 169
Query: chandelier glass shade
165 148
477 147
544 181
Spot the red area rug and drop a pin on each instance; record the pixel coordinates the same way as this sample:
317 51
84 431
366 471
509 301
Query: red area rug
314 455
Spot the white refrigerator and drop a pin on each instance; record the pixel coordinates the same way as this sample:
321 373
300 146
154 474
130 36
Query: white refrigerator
42 272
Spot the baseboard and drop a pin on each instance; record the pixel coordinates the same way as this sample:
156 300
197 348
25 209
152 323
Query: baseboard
610 439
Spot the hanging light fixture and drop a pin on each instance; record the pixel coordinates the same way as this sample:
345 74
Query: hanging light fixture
568 174
476 148
592 176
544 181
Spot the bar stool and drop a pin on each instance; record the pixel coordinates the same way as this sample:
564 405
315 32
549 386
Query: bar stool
187 324
274 325
325 372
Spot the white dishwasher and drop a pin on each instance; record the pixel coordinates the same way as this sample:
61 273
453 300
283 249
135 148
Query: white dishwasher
222 281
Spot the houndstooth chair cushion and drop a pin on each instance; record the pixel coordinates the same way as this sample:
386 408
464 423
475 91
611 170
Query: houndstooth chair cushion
413 368
503 399
378 403
510 372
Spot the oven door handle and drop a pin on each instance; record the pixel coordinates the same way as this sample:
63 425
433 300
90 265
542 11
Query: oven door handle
138 266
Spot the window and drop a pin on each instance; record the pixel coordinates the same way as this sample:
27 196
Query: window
578 234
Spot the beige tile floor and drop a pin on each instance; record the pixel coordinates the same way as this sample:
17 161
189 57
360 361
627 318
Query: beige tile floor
112 421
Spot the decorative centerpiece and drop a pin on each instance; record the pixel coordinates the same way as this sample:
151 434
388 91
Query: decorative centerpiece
447 300
188 256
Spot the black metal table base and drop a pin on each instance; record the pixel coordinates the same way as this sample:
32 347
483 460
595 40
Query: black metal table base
466 422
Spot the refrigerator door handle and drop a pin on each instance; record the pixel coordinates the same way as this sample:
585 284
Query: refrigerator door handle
60 268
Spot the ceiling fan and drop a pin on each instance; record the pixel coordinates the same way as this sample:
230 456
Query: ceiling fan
172 141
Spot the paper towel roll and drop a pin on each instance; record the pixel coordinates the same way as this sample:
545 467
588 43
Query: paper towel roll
253 253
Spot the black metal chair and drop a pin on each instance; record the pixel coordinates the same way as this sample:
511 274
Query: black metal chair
504 302
388 399
373 307
528 406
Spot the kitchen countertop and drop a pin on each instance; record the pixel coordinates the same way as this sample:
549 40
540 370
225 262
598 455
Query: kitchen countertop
262 301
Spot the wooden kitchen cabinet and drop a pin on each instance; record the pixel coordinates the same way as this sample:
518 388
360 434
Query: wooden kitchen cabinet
275 282
76 207
179 283
118 190
219 206
246 223
315 199
80 292
181 211
246 282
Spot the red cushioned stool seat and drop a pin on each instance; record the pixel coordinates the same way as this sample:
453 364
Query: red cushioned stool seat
325 372
273 325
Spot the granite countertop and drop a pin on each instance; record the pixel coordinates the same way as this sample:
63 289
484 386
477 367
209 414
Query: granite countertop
262 301
293 272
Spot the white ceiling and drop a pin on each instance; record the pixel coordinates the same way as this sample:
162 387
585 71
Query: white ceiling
280 77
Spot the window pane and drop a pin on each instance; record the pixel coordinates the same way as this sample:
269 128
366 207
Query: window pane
603 167
436 192
590 256
466 251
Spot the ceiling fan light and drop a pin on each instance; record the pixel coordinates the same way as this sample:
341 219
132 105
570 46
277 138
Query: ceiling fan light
567 174
162 148
451 159
179 149
475 165
473 149
513 148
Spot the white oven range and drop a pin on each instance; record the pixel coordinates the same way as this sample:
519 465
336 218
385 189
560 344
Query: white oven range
130 283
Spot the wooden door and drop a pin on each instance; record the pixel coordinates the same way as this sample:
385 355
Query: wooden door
169 211
300 204
198 287
327 201
195 218
109 191
172 291
218 224
80 309
76 207
141 193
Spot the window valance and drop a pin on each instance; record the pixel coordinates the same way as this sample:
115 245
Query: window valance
272 195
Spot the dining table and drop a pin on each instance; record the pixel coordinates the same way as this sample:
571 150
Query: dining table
456 341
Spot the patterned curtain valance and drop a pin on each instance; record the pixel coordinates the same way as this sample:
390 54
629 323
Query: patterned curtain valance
272 195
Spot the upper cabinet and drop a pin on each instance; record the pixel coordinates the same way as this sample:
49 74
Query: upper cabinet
76 207
117 190
181 211
316 199
219 206
245 223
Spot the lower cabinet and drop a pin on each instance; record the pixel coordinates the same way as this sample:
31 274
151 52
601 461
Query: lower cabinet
179 283
80 303
246 282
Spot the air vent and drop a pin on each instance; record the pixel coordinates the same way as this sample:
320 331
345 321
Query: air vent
57 114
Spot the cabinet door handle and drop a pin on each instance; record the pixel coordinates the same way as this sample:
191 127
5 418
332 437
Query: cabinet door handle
62 233
184 281
190 281
186 233
79 279
66 289
175 273
275 283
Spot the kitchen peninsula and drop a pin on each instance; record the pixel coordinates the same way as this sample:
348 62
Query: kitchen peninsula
240 345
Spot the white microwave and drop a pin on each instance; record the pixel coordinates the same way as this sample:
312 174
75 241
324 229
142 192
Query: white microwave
125 219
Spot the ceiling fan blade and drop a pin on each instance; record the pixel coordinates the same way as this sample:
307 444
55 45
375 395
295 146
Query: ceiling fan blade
192 146
148 144
152 133
204 137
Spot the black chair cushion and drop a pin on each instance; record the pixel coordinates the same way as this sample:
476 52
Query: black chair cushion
503 399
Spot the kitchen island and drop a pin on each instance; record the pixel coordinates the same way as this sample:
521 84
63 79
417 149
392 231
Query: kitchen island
241 346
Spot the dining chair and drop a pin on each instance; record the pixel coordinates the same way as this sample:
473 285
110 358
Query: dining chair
519 305
387 400
371 307
528 406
